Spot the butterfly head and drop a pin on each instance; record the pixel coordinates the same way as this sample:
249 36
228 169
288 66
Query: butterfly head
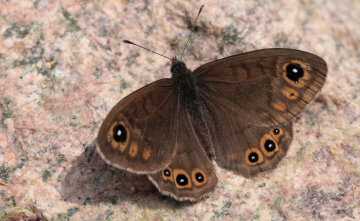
178 68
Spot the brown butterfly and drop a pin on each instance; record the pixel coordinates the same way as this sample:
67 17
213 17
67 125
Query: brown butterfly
236 111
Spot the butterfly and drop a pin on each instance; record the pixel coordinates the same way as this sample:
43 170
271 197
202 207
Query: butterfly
236 111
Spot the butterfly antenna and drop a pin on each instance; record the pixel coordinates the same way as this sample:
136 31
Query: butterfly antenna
192 29
132 43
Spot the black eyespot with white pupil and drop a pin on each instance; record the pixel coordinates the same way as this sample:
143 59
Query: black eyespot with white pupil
119 133
167 173
182 180
276 131
199 177
253 157
270 145
294 72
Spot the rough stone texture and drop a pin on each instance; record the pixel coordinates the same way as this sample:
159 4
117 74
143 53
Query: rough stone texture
63 66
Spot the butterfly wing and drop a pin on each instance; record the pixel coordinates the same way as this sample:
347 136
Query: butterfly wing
245 148
190 175
266 87
135 134
249 101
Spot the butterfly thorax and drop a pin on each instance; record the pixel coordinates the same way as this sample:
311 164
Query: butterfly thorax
185 84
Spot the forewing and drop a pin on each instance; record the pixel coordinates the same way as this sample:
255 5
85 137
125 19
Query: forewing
258 87
135 134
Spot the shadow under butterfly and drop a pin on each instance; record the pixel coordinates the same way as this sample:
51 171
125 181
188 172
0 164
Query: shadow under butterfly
236 111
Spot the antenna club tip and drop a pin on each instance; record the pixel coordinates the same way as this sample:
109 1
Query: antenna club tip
201 8
127 42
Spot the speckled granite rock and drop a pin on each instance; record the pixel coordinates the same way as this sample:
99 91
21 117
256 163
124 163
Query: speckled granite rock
63 66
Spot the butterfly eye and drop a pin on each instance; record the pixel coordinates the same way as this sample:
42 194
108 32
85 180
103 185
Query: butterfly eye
199 177
294 72
178 67
119 133
253 156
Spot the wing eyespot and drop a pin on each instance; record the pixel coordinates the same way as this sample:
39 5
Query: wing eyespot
167 174
118 136
290 93
199 177
182 179
120 133
268 145
134 149
253 156
276 133
296 73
